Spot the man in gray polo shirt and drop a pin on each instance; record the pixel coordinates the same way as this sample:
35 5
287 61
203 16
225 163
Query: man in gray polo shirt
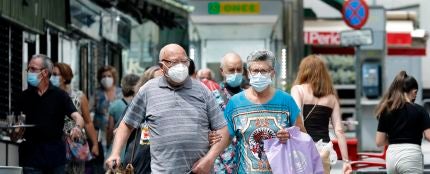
180 112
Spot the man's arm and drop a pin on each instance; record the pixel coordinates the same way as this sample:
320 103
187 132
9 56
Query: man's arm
121 136
205 164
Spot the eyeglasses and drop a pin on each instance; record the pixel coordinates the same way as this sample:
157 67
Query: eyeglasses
32 69
170 63
262 71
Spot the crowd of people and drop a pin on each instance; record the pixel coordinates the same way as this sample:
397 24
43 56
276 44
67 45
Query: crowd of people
174 119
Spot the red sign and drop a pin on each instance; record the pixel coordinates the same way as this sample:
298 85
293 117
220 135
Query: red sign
322 38
399 39
355 13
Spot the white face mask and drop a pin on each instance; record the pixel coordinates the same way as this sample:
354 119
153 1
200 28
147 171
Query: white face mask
178 73
107 82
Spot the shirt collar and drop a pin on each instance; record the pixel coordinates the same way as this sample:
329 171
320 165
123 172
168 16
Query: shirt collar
162 82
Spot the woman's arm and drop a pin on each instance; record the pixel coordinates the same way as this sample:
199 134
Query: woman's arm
381 139
336 121
89 127
427 134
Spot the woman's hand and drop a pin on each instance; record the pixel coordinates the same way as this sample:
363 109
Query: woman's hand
95 149
283 136
75 133
347 169
214 137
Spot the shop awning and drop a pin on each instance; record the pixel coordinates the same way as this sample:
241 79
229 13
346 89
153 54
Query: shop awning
324 36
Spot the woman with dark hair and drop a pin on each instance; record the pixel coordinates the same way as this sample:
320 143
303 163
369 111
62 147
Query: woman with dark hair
401 126
62 76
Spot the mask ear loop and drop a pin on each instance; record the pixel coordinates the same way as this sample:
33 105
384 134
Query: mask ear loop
161 64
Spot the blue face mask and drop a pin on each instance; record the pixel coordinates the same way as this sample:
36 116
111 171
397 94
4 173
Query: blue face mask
260 81
234 80
32 79
55 80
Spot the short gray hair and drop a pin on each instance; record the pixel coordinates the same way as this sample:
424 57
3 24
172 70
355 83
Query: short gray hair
261 55
47 62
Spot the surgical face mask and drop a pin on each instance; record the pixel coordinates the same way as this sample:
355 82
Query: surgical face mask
178 73
234 80
32 79
55 80
260 81
107 82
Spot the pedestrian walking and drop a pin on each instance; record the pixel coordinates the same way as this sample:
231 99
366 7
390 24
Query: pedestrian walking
259 113
45 106
62 77
314 93
179 112
401 126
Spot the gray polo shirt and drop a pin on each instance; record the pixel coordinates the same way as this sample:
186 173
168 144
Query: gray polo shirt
179 120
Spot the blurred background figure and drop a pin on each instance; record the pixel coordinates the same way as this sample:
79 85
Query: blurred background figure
205 73
117 108
104 95
62 76
150 73
192 69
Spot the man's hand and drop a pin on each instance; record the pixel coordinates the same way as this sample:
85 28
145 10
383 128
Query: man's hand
203 166
214 137
283 136
113 162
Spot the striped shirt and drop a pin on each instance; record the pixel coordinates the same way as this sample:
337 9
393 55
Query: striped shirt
179 120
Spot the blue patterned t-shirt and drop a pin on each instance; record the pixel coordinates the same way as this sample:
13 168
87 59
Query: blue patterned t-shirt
252 123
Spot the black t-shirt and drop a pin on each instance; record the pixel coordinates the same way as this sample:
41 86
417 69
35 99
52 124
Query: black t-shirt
44 146
405 125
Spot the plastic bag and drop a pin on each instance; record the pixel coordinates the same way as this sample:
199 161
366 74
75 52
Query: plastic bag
328 147
297 156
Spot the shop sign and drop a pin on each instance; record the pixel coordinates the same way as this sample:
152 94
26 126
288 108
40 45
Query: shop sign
234 7
356 37
321 38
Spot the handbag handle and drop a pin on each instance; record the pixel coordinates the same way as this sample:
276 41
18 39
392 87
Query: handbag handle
134 147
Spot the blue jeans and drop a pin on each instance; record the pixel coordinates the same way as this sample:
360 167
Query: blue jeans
56 170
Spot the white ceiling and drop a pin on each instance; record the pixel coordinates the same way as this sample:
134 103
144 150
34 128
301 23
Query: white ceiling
234 26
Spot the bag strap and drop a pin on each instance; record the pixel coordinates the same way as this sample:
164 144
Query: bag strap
125 102
134 147
301 91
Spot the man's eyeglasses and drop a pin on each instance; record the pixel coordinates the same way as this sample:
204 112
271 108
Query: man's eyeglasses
262 71
171 63
32 69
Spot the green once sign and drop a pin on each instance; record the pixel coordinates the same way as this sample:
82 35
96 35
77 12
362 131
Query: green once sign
233 7
214 8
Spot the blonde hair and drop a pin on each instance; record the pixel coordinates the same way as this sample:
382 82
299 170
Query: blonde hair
313 71
147 75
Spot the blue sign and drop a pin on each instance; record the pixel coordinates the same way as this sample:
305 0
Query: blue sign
355 13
